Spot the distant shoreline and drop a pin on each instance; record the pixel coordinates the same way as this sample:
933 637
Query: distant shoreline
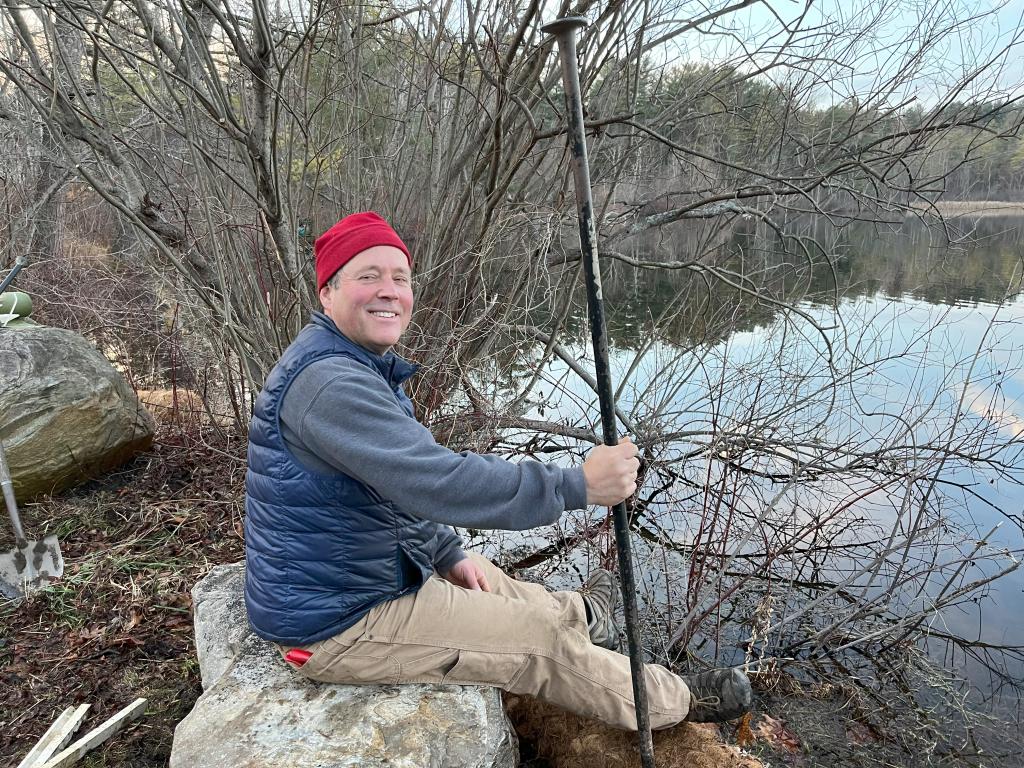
973 208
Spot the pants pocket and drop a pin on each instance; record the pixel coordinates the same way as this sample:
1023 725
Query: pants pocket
486 668
365 663
425 664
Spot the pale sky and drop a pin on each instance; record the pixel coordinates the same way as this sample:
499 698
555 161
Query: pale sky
867 43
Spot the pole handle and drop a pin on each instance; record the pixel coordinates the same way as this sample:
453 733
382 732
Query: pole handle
567 25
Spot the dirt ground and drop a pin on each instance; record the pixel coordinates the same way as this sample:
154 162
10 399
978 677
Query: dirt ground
119 626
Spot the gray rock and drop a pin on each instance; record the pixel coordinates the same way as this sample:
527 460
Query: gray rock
255 712
221 625
65 414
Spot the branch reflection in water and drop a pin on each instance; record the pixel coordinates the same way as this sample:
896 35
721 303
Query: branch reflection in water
832 479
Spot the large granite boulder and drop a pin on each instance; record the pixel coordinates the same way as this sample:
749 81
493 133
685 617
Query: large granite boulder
65 414
256 712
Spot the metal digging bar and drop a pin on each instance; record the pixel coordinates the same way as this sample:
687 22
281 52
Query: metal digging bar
565 31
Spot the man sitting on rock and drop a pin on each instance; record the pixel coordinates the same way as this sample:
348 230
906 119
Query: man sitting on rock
353 568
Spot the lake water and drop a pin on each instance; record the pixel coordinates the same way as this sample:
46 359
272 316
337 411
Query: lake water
844 440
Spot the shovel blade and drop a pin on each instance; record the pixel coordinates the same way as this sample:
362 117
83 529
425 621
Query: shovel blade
28 568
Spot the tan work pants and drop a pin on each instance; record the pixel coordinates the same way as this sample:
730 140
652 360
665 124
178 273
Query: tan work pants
518 637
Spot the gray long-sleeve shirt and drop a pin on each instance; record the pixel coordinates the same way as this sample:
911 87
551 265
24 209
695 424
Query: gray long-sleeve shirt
338 415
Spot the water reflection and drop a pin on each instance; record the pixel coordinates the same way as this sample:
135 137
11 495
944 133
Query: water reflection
968 262
870 431
981 265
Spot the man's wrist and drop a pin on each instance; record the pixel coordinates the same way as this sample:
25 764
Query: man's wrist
450 560
575 493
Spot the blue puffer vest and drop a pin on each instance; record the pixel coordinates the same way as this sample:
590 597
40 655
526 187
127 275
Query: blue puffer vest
322 550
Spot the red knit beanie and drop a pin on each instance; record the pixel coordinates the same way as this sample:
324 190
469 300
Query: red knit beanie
350 237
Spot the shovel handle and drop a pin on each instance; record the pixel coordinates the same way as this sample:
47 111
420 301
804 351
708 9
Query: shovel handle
12 506
18 264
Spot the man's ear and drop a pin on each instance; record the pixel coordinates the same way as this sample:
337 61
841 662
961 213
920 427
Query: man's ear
325 296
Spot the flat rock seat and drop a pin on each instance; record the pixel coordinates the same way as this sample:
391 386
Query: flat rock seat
257 713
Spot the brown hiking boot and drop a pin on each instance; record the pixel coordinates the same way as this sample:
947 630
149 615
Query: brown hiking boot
718 695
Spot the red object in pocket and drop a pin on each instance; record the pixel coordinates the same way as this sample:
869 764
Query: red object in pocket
297 656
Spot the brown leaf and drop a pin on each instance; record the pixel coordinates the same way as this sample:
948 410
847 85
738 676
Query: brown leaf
177 623
774 732
85 635
859 734
744 736
134 619
125 641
